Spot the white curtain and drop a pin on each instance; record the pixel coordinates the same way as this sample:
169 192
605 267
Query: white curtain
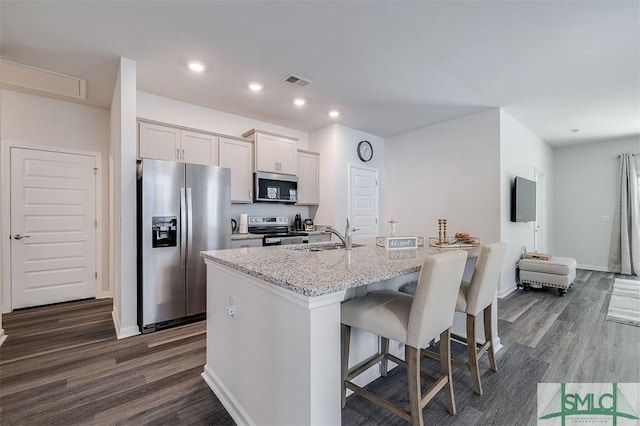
624 255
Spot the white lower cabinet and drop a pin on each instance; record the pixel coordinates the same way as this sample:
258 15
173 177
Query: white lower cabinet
254 242
238 156
319 238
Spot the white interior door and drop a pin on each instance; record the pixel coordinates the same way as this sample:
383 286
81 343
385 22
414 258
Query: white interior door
363 201
53 227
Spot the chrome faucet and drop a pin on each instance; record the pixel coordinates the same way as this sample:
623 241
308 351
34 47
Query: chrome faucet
346 240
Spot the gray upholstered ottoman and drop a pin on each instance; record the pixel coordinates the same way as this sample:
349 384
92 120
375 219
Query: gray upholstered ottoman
557 272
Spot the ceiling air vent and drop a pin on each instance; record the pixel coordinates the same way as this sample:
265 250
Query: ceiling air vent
16 74
297 81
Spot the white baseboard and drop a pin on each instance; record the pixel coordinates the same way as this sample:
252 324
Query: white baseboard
595 268
496 344
122 333
229 402
3 336
507 291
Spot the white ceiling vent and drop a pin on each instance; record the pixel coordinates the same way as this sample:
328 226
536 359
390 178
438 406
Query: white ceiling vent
296 81
29 77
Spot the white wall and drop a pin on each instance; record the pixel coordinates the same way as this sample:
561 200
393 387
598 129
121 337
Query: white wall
522 154
337 146
123 150
446 171
34 120
114 200
586 184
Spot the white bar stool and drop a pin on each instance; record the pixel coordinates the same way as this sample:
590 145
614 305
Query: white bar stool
413 321
475 298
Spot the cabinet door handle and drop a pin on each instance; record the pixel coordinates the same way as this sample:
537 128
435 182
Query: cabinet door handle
182 155
177 153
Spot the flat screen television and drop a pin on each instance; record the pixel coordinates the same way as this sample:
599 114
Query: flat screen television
523 200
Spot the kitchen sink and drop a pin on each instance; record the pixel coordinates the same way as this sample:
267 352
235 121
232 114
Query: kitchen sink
309 249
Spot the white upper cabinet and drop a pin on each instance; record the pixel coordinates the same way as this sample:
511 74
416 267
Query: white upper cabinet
288 155
199 148
308 177
238 156
274 153
173 144
159 142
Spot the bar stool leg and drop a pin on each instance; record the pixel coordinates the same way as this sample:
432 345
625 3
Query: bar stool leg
472 352
345 333
445 366
384 349
412 358
488 336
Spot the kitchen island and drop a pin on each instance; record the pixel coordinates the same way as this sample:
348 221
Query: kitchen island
273 326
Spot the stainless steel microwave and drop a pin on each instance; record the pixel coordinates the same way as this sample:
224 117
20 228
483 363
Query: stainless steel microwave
275 187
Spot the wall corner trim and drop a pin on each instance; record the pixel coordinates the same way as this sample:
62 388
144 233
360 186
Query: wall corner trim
122 333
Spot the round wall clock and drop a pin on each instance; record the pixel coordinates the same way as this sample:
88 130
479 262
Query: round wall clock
365 151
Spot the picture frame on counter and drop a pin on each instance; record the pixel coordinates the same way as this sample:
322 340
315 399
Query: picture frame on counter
401 243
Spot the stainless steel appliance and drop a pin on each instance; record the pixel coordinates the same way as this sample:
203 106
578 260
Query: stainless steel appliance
275 187
182 209
275 230
308 225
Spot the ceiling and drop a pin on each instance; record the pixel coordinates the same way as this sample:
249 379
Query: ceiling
388 66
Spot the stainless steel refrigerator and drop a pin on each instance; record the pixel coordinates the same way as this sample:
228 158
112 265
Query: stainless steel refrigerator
183 209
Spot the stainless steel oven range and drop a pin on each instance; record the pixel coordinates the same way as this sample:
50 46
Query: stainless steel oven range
276 230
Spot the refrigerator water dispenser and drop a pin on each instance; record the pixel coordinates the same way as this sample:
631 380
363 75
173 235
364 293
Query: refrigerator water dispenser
164 231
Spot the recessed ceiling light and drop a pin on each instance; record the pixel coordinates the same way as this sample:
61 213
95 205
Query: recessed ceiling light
196 66
334 113
575 130
255 86
299 101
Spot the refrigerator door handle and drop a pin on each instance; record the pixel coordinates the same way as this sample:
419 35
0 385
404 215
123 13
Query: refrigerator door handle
183 228
189 226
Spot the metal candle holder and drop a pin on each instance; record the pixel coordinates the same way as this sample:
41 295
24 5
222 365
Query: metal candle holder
442 230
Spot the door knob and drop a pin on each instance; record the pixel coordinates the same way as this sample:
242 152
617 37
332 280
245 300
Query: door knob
19 237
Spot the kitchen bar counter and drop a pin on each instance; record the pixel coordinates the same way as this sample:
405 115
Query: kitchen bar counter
321 272
273 326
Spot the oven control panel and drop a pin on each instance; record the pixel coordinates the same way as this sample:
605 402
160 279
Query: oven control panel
268 220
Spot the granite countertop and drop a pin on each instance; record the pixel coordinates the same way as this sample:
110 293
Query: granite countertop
321 272
245 236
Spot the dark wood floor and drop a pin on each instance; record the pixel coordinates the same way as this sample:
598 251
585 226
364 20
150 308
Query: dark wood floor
63 365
